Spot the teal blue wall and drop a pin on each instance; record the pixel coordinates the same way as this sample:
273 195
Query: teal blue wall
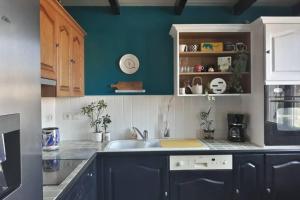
143 31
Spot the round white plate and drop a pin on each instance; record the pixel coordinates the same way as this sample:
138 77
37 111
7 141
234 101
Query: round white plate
129 64
218 86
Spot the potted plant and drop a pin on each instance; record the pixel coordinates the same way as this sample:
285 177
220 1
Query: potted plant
206 125
240 64
94 111
105 122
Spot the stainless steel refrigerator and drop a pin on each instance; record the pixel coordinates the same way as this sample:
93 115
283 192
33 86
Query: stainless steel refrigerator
20 96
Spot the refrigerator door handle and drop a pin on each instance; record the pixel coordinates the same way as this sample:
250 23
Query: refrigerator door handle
2 149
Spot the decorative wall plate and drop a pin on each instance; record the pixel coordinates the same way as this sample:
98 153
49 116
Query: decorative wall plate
129 64
218 86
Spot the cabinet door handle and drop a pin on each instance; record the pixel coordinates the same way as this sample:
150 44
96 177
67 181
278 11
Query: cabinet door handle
269 190
166 194
237 191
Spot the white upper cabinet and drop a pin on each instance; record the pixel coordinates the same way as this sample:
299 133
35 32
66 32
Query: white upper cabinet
282 48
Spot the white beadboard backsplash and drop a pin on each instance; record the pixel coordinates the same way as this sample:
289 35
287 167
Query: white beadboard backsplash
144 112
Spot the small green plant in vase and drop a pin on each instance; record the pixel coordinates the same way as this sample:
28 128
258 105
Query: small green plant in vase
98 121
105 122
206 125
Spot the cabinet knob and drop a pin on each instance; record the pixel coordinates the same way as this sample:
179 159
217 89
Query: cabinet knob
268 51
237 191
269 190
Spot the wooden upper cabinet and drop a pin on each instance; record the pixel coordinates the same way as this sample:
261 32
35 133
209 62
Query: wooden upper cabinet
62 49
77 61
48 41
64 59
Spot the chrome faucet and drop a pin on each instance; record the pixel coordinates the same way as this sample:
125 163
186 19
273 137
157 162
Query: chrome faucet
143 135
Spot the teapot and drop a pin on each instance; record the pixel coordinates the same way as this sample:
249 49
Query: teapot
196 88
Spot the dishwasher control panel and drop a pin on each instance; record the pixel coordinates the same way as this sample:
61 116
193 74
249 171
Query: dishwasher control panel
201 162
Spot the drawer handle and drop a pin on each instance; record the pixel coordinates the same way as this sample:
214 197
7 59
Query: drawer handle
204 164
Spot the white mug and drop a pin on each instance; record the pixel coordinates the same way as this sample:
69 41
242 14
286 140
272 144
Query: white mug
183 48
181 90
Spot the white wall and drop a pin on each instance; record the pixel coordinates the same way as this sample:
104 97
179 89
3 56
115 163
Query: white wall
144 112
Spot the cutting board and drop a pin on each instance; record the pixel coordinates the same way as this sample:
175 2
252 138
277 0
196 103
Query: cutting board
189 143
136 85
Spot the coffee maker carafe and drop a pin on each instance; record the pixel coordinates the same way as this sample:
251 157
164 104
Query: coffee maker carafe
236 127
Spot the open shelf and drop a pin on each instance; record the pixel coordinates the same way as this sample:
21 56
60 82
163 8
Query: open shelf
207 73
213 95
231 38
199 53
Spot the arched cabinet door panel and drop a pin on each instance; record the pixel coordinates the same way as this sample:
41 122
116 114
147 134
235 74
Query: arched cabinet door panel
195 185
64 59
48 41
77 63
135 178
248 177
283 172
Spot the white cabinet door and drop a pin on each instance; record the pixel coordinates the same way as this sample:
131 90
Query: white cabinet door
282 52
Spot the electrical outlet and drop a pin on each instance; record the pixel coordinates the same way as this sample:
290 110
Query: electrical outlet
49 118
67 116
77 116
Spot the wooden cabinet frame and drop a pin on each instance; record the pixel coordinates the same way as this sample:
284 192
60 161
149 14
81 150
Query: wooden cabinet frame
67 52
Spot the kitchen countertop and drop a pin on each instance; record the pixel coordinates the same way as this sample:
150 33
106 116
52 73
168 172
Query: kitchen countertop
86 150
82 150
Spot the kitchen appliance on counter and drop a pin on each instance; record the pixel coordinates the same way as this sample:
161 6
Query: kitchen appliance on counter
10 158
50 139
57 170
282 115
236 127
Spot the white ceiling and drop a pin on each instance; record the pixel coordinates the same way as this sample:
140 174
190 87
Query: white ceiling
172 2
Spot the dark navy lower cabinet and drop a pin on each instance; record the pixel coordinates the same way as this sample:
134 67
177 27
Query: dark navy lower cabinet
85 187
248 177
196 185
282 177
135 178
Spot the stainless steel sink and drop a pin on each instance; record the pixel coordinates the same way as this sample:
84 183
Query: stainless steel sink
132 144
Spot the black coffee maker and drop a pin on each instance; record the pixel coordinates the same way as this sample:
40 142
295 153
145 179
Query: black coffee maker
236 127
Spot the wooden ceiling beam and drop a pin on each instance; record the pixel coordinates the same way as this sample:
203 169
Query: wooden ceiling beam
115 6
242 5
179 6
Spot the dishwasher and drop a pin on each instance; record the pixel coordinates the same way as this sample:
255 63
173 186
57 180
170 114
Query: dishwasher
201 177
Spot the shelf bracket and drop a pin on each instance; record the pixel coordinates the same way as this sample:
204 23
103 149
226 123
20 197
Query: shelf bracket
179 6
242 5
115 6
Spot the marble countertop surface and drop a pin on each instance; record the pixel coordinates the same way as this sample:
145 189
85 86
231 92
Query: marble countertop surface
81 150
84 150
